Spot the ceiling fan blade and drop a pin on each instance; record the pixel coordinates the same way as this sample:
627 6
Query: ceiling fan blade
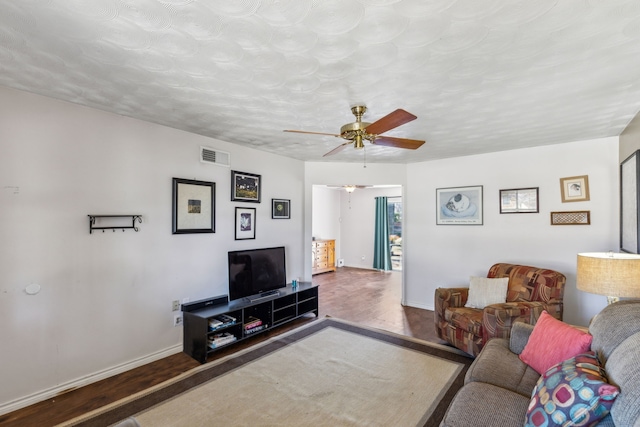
390 121
337 149
312 133
389 141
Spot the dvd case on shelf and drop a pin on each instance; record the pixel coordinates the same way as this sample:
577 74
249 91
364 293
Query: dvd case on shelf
255 329
252 322
221 339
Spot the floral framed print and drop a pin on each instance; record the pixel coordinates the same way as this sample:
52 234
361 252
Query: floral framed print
575 188
245 223
193 206
519 200
245 187
459 205
280 209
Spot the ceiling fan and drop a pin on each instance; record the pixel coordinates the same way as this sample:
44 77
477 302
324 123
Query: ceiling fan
359 131
349 188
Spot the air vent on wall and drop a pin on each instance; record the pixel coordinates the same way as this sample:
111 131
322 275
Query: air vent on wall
216 157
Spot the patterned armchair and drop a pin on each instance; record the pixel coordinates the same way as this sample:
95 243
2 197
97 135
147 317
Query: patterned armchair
531 290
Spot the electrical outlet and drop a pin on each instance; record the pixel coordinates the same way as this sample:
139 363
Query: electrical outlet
177 320
176 305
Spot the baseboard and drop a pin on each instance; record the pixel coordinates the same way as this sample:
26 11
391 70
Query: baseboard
40 396
363 268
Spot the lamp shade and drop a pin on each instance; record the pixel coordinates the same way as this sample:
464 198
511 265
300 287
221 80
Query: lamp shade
608 273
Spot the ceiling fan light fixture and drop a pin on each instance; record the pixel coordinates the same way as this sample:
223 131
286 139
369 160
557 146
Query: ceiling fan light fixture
350 188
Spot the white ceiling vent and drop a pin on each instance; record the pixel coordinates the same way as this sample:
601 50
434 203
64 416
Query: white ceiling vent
216 157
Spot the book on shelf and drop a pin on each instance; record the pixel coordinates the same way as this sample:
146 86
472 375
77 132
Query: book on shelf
254 329
215 324
252 322
225 318
221 321
221 339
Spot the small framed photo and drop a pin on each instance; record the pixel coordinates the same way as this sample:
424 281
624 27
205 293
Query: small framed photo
459 205
245 223
519 200
571 218
245 187
575 188
193 206
280 209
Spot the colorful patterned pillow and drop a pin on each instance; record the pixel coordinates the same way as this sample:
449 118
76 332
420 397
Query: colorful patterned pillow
572 393
553 341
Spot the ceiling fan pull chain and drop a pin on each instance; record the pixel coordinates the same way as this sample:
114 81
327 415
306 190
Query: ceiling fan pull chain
364 152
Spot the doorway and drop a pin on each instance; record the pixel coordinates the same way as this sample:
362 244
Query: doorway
394 214
349 218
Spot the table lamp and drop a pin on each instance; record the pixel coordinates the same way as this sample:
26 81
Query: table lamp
612 274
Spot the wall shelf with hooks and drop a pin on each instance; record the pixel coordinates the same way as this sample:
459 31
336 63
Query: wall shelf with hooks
134 218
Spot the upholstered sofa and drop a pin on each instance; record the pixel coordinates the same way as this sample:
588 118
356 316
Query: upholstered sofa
530 291
498 385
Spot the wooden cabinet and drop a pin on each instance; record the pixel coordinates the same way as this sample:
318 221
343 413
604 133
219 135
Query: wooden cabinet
324 256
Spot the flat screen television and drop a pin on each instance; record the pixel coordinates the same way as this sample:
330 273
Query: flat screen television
256 272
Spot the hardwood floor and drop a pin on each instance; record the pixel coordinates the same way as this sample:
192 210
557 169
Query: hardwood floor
373 298
367 297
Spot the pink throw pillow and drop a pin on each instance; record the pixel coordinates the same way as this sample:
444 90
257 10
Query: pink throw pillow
553 341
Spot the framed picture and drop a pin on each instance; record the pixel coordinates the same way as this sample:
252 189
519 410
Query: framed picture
245 223
571 218
193 206
629 204
280 209
519 200
245 187
459 205
575 188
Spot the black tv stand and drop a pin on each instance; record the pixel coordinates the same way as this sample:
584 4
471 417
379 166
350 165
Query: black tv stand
212 324
262 295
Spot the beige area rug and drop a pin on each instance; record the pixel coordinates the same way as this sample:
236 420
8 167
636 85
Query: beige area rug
328 373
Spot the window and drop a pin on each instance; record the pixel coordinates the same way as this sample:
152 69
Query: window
394 211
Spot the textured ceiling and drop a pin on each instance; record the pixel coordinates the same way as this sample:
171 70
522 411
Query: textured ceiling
481 75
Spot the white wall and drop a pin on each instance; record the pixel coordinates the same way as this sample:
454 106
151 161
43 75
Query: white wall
326 214
446 255
358 224
105 303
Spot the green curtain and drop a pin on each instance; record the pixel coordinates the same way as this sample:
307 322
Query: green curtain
381 250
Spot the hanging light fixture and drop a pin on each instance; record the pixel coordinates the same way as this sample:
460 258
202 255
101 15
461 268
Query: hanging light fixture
349 189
